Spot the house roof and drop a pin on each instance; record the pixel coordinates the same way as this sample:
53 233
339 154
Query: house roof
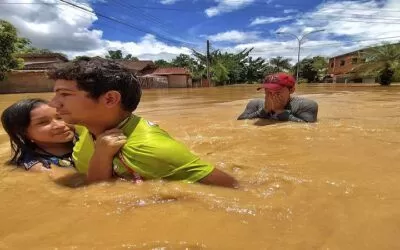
39 63
41 55
136 65
348 53
359 51
171 71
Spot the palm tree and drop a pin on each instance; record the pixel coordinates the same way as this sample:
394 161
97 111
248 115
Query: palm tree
225 67
254 70
380 61
280 64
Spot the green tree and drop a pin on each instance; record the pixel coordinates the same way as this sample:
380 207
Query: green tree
320 64
307 70
162 63
312 69
117 54
184 61
114 54
225 68
8 47
280 64
255 70
82 58
24 46
382 62
131 58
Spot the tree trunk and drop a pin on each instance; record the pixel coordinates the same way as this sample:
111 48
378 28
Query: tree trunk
386 76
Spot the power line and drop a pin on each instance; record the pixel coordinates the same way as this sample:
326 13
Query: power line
148 17
263 3
133 8
348 20
121 22
127 25
353 41
260 53
175 41
335 18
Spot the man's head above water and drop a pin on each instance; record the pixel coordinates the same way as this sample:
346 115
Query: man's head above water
94 92
278 88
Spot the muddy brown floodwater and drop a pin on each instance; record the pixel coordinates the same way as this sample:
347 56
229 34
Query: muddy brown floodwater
328 185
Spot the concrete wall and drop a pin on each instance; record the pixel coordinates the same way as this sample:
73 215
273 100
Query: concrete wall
201 83
153 82
26 82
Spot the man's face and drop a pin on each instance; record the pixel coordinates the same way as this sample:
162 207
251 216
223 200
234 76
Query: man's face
278 99
74 105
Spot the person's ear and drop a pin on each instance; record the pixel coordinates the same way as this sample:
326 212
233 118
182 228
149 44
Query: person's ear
111 99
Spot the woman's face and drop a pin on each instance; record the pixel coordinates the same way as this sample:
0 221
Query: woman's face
47 127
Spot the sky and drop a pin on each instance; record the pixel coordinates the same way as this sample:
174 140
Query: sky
162 29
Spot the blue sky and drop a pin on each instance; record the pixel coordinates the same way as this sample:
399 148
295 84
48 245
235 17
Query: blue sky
162 29
188 20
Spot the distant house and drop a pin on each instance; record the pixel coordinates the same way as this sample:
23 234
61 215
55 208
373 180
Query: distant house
32 77
177 77
140 68
45 61
341 68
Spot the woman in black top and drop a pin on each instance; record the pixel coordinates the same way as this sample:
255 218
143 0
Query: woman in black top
39 138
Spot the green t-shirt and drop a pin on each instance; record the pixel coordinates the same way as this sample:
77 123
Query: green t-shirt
149 152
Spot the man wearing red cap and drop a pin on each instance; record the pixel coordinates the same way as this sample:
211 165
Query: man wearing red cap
278 104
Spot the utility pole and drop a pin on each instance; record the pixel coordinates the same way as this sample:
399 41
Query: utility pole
299 41
208 63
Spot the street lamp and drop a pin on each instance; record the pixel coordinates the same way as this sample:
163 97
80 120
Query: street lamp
299 40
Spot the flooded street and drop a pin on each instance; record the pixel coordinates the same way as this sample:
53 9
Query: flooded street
328 185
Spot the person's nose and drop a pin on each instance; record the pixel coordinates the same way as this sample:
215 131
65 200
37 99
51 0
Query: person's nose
54 102
58 124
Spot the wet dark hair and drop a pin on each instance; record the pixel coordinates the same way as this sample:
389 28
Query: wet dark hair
97 76
15 120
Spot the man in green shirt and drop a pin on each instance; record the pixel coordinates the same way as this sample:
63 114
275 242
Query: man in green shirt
99 96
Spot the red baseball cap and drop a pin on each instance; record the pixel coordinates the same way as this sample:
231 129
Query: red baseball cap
276 82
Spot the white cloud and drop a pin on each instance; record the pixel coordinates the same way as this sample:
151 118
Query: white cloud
289 11
267 20
288 49
234 36
68 30
148 48
226 6
54 26
348 25
168 1
354 20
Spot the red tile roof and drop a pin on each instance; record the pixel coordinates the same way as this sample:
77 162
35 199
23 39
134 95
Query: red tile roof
43 55
171 71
